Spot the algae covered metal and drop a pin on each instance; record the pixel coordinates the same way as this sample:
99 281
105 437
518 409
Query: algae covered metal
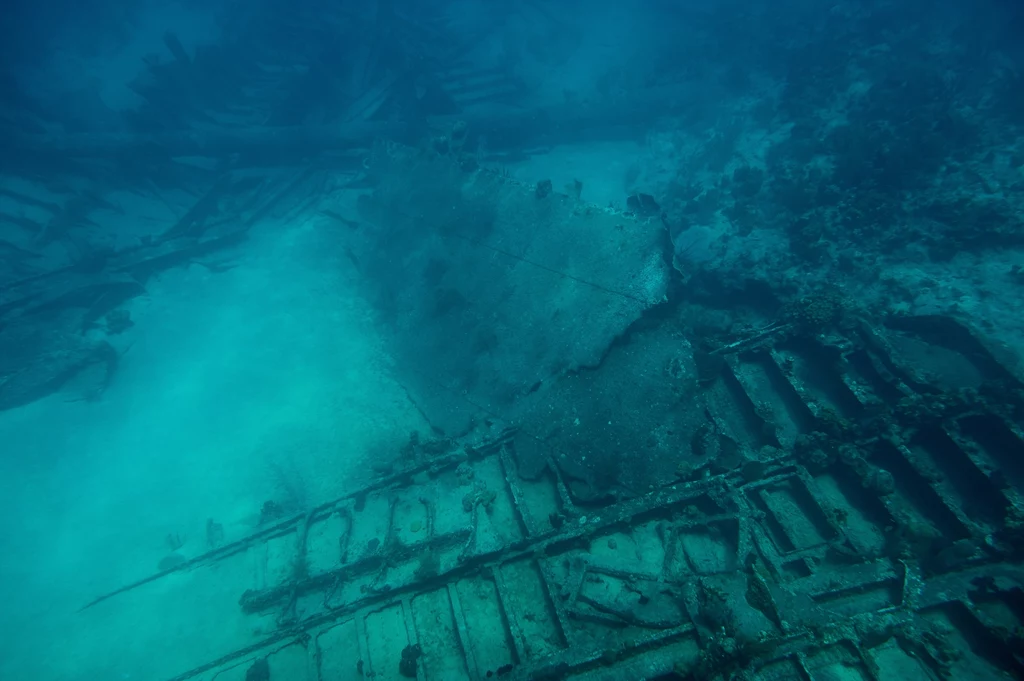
878 534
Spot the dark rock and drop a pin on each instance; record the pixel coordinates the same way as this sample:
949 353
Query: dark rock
270 511
643 205
709 367
118 322
747 182
407 665
259 671
41 355
214 533
171 561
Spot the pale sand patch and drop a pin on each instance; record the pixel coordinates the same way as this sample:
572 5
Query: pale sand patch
603 168
265 381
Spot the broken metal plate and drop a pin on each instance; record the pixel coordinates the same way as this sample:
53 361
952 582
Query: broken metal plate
44 318
489 288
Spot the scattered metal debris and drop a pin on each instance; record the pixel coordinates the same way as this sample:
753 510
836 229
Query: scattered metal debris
875 537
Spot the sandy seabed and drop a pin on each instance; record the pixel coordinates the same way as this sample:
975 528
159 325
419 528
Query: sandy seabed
266 381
